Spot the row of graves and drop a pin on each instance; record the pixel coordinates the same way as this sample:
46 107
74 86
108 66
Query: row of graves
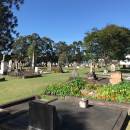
16 68
113 77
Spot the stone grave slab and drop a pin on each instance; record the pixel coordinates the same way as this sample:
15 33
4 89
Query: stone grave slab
70 115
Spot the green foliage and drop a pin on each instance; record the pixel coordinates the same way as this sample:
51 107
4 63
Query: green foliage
92 86
8 22
71 88
20 48
119 92
111 42
75 52
56 70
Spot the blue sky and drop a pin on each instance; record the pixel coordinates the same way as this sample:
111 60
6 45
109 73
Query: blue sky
68 20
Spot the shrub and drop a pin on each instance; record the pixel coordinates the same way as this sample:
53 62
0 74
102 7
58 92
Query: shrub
71 88
92 86
56 70
119 92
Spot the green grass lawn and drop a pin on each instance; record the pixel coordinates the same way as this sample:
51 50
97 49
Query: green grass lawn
15 88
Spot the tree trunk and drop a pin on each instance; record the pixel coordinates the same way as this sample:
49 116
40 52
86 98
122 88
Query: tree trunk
60 68
33 60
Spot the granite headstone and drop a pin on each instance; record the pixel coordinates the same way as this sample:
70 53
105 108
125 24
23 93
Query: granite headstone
42 116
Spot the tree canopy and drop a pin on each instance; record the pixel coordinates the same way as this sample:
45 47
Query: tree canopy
108 43
8 22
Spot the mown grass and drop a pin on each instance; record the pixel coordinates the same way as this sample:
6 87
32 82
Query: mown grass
15 88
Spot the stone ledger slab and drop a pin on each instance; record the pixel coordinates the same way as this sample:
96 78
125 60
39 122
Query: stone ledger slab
71 117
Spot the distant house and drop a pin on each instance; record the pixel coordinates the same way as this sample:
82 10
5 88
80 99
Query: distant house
126 62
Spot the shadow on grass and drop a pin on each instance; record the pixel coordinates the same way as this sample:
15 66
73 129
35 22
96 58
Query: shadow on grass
3 80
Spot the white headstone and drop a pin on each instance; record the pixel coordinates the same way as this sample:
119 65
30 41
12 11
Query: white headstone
105 71
10 64
66 66
36 69
91 68
3 67
113 68
77 67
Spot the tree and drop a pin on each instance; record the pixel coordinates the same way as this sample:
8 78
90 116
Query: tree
20 47
108 43
35 44
61 50
47 49
8 22
75 52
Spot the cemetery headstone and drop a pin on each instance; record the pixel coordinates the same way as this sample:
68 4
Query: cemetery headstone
4 66
66 66
2 70
113 68
36 70
70 65
16 65
74 74
91 67
49 66
42 116
115 78
105 71
74 65
19 67
77 67
10 66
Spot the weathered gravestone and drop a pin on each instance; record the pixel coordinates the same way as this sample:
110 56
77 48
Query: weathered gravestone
74 65
115 77
91 67
10 66
74 73
113 68
42 116
49 66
